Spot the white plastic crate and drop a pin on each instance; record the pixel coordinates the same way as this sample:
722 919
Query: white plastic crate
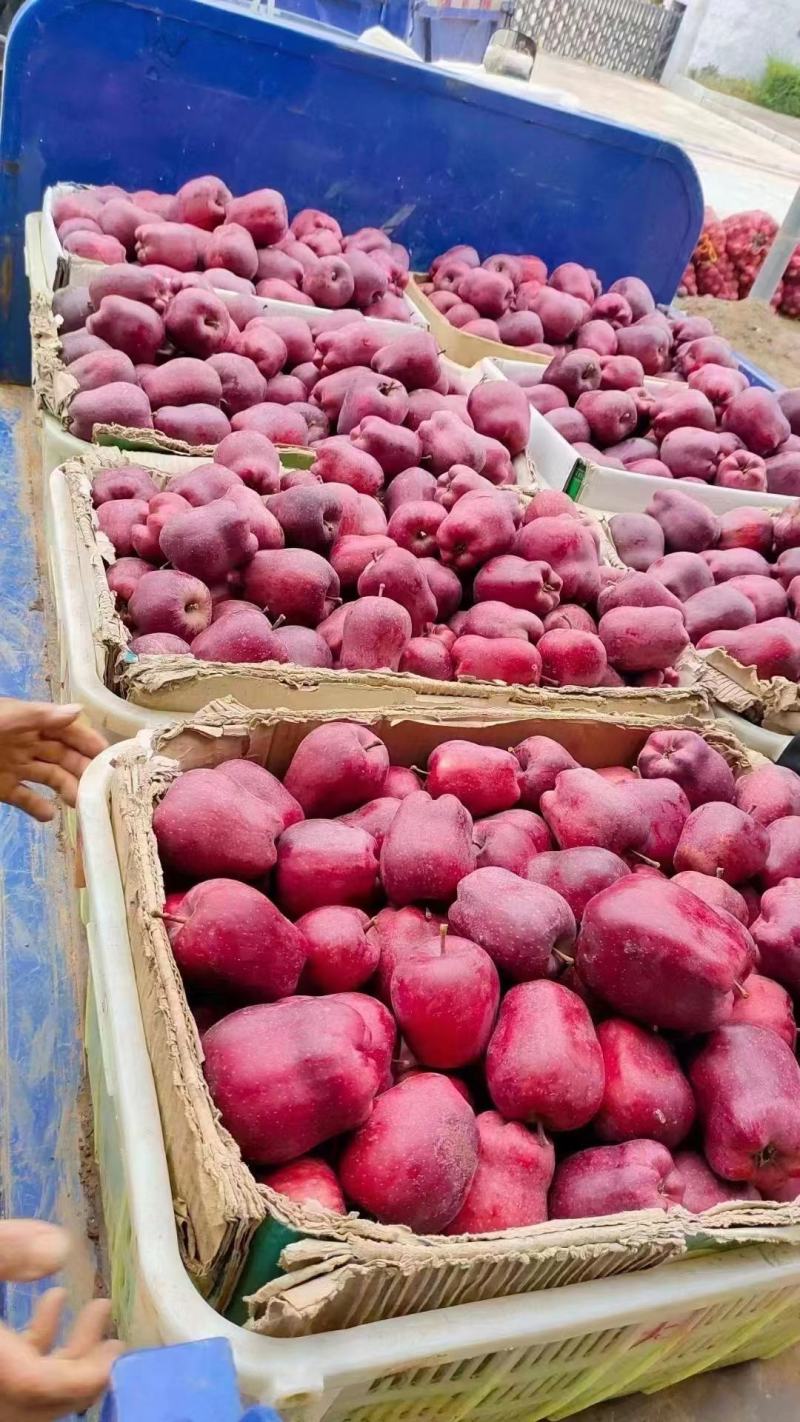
768 743
532 1356
33 257
613 490
58 445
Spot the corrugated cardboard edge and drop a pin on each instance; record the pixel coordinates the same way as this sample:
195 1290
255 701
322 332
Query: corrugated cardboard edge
773 703
460 345
183 685
326 1286
153 441
46 350
330 1286
217 1203
224 726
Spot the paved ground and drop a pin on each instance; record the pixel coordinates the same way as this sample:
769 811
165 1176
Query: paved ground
738 168
751 1392
783 125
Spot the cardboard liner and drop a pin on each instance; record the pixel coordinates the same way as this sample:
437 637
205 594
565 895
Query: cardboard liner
460 345
182 684
328 1286
594 726
48 367
341 1270
773 703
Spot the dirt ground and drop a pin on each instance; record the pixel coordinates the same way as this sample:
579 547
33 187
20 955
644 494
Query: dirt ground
753 328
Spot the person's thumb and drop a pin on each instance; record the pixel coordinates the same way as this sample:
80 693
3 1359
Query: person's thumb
31 1250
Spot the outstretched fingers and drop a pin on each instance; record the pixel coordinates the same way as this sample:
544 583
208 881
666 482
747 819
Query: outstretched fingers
31 1249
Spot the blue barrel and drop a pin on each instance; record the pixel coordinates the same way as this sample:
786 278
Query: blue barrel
455 32
351 17
180 88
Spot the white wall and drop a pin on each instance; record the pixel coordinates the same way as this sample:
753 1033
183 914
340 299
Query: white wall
737 36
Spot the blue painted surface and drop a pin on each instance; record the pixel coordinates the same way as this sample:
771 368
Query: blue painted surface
193 1382
152 93
40 1045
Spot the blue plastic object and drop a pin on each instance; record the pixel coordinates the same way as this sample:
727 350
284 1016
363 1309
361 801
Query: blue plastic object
351 16
453 32
756 375
193 1382
151 94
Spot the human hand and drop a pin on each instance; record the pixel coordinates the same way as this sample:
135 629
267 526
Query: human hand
40 1383
49 745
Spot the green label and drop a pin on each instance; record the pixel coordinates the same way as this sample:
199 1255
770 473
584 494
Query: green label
576 480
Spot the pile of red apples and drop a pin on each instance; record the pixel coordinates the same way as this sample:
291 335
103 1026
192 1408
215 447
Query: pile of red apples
452 577
195 366
715 429
499 987
515 300
205 237
734 579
